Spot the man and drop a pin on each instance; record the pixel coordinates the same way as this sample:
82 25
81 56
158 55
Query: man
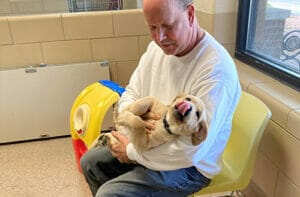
182 58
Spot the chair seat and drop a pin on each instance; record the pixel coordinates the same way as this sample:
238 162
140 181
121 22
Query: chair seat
221 182
249 122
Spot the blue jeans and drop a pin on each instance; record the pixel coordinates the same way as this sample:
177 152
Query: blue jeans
108 177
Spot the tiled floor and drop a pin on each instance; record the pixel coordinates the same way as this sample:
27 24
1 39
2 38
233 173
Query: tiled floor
40 169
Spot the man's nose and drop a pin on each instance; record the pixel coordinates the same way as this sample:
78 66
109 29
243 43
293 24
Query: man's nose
161 34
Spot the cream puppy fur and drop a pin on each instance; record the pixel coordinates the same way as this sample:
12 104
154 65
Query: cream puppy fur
186 115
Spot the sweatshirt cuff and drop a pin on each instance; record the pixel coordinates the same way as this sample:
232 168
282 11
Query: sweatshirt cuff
130 152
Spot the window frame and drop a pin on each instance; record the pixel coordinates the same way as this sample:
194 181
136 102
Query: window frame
251 58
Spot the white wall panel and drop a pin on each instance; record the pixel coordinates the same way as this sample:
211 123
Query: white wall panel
36 104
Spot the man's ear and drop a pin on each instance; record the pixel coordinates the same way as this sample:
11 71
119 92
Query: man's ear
191 13
201 135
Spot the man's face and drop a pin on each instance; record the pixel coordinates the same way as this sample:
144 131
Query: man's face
169 25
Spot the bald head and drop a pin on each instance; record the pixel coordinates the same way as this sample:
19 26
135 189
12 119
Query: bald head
183 3
180 3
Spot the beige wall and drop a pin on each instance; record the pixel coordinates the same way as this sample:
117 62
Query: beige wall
219 18
21 7
121 37
17 7
276 170
117 36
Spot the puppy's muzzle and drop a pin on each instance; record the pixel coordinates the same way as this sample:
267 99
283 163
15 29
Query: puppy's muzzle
182 109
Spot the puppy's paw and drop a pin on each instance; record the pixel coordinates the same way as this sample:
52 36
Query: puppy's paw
103 140
106 139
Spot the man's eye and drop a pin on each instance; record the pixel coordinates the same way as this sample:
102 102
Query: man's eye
152 28
168 26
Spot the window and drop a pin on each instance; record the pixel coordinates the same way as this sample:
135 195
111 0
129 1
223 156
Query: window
268 37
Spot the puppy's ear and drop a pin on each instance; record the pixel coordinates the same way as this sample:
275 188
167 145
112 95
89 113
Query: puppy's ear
201 135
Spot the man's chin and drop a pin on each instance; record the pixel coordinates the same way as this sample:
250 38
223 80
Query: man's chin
169 51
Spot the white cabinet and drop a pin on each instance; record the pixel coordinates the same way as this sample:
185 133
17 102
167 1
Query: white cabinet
37 104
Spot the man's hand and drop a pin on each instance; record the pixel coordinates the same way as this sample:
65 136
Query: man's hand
119 149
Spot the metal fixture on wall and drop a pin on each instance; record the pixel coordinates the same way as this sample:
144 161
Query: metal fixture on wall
291 50
94 5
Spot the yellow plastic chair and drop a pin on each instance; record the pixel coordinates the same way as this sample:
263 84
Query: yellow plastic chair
249 122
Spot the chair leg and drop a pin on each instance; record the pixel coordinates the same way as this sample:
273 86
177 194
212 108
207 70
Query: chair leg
236 193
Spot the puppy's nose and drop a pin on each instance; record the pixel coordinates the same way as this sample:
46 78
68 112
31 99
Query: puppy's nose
183 108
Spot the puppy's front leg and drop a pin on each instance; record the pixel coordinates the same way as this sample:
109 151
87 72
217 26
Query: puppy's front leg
128 119
137 129
142 106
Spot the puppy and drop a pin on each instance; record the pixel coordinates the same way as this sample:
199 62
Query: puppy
186 115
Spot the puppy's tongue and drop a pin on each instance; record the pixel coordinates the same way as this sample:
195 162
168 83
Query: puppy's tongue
183 107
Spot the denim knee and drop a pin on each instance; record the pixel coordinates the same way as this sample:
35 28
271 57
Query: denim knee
84 162
108 190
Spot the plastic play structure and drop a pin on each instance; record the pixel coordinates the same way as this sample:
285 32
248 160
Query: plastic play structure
88 111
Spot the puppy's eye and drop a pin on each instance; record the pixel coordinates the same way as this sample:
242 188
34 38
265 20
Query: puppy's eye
188 99
198 114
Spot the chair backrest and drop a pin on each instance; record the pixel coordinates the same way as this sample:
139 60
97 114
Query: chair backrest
249 122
